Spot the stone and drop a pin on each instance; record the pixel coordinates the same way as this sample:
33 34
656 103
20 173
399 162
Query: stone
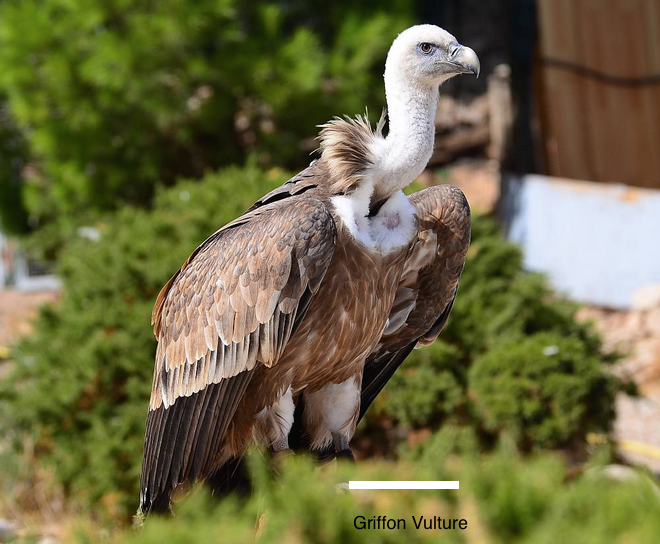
647 296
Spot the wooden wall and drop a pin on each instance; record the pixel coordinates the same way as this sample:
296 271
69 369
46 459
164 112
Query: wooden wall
595 129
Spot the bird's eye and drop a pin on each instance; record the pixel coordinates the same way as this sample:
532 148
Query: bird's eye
426 48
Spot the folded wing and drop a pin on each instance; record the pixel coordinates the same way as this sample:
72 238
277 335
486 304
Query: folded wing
428 285
233 306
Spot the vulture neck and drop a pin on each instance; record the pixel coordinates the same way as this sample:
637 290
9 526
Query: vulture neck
377 213
409 143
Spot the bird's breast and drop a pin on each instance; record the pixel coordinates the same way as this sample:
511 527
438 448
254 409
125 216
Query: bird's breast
347 316
390 230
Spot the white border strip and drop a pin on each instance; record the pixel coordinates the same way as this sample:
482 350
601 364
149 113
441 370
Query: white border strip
382 484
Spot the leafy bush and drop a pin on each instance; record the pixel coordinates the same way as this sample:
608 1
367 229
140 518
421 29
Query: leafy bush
13 215
115 97
546 388
503 498
429 384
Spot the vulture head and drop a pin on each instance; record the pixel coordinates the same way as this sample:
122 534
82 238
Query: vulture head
426 56
420 59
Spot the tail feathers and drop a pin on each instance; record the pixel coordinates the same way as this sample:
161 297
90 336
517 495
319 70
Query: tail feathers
158 503
231 477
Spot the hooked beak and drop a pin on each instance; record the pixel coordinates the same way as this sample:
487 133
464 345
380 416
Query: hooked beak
465 60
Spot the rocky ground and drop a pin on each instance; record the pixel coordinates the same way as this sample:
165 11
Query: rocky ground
636 334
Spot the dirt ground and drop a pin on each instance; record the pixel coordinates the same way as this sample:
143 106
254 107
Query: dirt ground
636 334
17 310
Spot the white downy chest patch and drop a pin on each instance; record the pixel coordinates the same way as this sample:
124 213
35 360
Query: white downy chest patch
393 227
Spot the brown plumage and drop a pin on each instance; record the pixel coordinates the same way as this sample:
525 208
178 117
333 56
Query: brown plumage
424 296
249 314
428 285
285 305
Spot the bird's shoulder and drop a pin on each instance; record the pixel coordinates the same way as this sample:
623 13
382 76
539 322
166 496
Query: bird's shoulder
442 206
311 181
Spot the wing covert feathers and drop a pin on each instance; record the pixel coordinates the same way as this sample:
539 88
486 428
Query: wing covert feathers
234 302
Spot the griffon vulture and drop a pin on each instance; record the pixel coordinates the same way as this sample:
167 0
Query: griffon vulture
320 290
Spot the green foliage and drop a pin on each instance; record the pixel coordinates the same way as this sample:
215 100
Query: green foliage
447 441
115 97
13 215
81 382
602 510
503 498
513 499
547 389
430 384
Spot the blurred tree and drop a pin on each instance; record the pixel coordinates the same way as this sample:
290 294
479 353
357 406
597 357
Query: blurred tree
13 215
115 97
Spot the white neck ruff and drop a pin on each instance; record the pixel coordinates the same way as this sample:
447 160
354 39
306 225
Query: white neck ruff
392 228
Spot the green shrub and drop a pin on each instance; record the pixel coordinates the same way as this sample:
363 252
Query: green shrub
429 386
13 215
546 389
115 96
602 509
504 499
